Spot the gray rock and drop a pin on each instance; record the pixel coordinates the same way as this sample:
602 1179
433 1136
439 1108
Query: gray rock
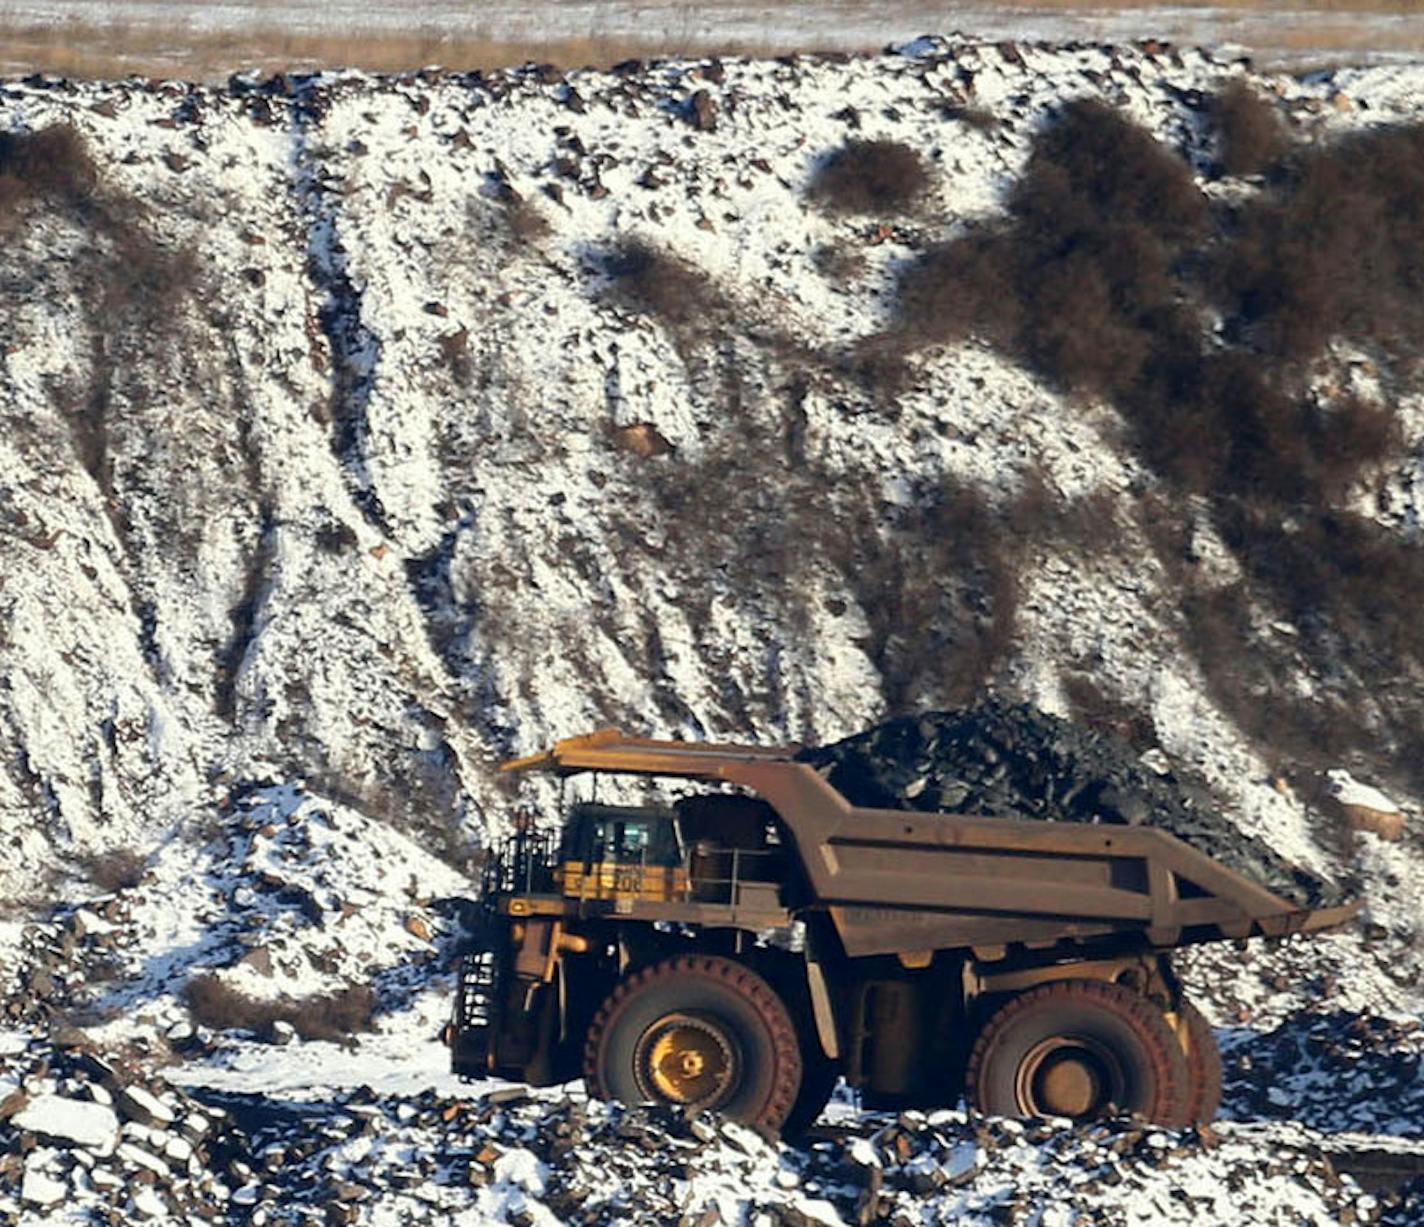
70 1122
139 1104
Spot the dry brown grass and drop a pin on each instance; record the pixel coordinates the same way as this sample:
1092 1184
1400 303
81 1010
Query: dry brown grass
115 870
1272 7
1331 29
110 52
333 1016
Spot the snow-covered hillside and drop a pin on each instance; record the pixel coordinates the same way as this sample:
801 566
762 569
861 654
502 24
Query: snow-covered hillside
360 432
353 491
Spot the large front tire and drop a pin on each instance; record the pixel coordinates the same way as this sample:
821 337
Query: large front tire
1080 1049
697 1031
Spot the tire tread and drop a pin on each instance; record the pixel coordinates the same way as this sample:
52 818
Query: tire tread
745 983
1170 1107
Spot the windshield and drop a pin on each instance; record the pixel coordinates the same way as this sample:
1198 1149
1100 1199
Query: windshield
625 835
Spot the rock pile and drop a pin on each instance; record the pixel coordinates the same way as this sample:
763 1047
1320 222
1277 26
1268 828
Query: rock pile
1335 1071
303 882
103 1142
299 900
1011 760
520 1160
112 1146
62 953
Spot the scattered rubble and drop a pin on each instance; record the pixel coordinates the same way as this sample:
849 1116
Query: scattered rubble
1332 1070
558 1158
111 1143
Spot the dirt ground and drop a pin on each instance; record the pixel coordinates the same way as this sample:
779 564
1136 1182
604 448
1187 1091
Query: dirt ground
183 38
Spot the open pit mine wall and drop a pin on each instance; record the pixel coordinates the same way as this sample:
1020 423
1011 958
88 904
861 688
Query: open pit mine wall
335 448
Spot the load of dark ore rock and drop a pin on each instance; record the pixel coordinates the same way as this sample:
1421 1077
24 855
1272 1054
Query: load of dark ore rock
1013 761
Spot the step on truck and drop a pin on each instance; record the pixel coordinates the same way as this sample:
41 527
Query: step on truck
744 946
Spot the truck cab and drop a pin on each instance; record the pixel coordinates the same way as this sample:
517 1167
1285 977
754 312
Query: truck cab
612 852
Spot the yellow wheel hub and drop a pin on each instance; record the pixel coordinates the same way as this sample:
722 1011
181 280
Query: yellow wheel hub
1069 1087
1066 1076
687 1059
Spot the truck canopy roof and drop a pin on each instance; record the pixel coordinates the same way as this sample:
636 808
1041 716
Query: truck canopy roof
613 750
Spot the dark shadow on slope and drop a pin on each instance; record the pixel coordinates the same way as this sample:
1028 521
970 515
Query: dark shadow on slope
452 621
355 348
1112 277
256 582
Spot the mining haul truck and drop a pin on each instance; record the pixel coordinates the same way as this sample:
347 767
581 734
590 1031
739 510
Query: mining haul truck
743 947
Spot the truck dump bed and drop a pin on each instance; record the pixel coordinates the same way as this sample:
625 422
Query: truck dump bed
961 881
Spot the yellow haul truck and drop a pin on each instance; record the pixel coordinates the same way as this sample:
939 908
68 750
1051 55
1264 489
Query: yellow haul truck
745 946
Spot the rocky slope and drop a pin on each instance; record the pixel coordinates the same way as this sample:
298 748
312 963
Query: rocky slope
361 431
329 434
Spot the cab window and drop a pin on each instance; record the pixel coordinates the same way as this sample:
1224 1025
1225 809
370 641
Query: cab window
607 834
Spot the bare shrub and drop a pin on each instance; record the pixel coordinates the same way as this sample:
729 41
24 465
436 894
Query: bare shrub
214 1004
1344 584
1099 279
51 163
54 164
331 1016
334 1015
937 581
973 117
1096 709
963 288
879 178
146 281
1248 128
1076 284
1341 576
1354 434
115 870
659 283
1089 523
1083 328
1336 250
839 263
527 224
1094 167
879 364
1095 282
733 508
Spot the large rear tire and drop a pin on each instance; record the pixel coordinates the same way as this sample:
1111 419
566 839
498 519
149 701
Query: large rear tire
697 1031
1080 1049
1203 1067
